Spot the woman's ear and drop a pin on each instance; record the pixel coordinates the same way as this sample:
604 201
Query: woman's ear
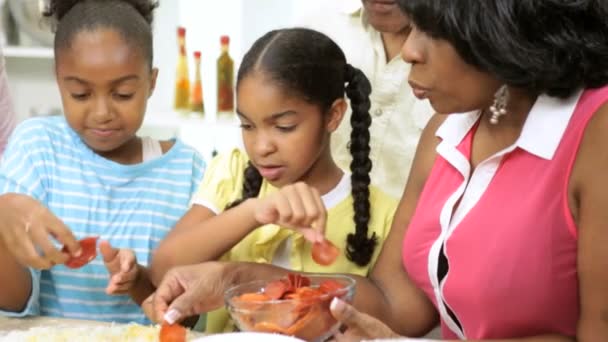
336 114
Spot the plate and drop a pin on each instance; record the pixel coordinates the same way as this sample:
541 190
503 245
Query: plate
247 336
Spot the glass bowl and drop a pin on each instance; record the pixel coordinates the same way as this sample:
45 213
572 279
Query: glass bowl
305 315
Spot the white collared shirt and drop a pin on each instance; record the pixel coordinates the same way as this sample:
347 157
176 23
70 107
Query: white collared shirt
397 116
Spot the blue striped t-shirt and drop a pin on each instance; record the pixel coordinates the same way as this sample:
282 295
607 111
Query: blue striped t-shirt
131 206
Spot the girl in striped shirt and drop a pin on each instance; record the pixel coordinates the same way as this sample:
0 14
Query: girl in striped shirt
88 174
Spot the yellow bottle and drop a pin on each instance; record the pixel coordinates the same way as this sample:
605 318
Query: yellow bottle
225 77
182 82
197 103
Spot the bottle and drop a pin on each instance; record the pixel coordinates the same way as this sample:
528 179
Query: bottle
182 82
225 76
196 99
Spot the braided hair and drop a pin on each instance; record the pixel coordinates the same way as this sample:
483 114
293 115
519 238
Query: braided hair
131 18
309 65
360 248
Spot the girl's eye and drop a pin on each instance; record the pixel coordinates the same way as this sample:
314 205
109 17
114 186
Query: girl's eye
286 128
123 97
246 126
80 97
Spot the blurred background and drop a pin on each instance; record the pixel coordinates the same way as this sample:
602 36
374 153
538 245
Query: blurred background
27 41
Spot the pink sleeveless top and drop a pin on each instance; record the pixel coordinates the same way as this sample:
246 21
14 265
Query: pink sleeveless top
503 264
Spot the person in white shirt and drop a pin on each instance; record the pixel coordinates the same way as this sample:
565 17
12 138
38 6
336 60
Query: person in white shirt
371 33
7 114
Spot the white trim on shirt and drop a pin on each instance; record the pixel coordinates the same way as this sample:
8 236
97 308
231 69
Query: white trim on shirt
151 149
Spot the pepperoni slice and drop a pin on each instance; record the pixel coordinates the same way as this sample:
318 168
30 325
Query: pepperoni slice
89 252
297 280
275 289
325 253
172 333
330 286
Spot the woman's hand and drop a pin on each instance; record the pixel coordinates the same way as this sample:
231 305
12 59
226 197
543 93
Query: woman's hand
297 206
187 291
122 266
359 326
27 229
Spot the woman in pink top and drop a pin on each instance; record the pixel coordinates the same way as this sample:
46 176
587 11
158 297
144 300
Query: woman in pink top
506 211
502 231
7 115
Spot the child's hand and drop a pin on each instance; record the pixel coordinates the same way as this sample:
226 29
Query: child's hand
296 206
27 229
122 266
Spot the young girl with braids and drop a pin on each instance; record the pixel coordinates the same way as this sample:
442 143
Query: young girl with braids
290 98
87 174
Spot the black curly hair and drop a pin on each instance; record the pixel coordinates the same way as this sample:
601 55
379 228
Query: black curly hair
550 46
308 64
131 18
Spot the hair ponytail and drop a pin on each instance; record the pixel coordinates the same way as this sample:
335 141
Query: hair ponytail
360 247
251 185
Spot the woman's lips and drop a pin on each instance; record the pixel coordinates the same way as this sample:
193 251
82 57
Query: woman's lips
421 94
419 91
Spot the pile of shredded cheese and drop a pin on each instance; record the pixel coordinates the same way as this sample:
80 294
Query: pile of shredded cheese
118 333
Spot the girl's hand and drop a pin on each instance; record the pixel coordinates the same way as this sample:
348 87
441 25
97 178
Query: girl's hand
122 266
297 206
26 228
359 326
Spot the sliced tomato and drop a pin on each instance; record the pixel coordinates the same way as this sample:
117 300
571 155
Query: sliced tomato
172 333
89 252
325 253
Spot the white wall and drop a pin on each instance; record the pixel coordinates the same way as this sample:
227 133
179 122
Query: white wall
33 87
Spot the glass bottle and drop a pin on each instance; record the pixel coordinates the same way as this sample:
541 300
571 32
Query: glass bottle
225 76
182 81
196 99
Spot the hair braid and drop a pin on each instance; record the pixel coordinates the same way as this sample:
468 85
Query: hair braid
360 247
251 185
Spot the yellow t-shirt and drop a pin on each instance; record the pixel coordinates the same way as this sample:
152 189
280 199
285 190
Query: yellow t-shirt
223 184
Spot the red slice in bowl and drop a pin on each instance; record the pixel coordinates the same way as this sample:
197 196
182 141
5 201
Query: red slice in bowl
88 247
325 253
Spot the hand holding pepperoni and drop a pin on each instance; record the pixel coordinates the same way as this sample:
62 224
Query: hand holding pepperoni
29 229
297 206
300 207
88 247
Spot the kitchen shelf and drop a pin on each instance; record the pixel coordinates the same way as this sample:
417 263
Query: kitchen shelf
28 52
